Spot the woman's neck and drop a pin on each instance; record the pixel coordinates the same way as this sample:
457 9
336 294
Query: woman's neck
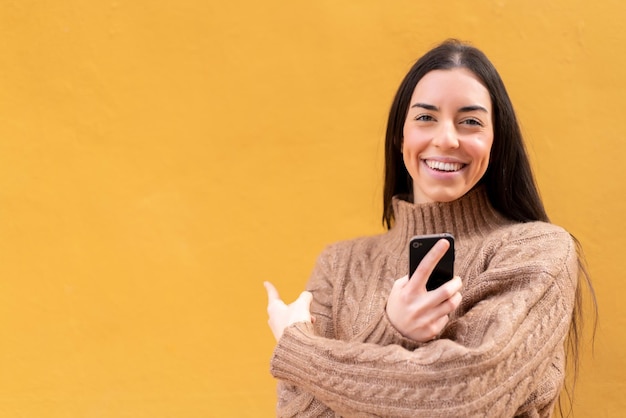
470 215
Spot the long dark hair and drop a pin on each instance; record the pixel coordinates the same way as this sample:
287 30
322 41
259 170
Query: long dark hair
509 181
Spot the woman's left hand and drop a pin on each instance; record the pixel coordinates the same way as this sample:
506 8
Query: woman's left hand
282 315
417 313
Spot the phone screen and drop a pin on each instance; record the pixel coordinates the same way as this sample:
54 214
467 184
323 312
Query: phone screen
444 270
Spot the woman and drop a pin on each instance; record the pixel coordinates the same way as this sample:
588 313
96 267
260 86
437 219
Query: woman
489 342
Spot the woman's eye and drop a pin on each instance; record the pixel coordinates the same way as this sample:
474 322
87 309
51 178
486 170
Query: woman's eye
424 118
474 122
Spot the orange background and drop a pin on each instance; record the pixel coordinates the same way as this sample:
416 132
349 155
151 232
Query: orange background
159 161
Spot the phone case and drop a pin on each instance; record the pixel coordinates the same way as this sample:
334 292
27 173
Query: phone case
444 270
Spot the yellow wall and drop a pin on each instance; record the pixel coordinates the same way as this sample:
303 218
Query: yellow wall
159 161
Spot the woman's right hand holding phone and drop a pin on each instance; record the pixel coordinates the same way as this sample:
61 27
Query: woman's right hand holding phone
416 313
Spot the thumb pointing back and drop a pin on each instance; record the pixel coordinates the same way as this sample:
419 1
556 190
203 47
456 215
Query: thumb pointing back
304 306
305 298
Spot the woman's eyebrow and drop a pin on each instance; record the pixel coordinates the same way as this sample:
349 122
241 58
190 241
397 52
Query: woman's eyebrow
425 106
473 108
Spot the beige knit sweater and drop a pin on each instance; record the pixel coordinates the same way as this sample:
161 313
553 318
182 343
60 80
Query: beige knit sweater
501 354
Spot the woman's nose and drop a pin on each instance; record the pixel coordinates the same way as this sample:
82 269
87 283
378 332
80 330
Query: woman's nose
446 136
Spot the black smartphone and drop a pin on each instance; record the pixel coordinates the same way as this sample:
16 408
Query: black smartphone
444 270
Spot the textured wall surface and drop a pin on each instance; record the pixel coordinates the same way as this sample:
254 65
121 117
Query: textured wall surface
159 160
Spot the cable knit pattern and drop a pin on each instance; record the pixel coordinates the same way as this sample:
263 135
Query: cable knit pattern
501 354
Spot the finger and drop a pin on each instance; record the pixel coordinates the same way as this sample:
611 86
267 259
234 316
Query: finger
445 308
427 265
305 300
434 329
440 324
447 305
446 290
272 293
401 282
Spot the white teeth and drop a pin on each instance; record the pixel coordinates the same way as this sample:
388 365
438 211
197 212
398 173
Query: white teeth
441 166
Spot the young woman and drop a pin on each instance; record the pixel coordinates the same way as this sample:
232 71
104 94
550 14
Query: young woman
491 341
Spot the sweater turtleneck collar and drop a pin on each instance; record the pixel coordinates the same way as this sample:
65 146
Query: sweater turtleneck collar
470 215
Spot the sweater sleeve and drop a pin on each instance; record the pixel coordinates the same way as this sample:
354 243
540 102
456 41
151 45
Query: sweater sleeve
513 321
293 400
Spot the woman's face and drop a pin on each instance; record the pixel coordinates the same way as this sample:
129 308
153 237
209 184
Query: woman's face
448 133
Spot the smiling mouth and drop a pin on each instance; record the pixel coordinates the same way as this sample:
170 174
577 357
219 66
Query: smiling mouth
445 167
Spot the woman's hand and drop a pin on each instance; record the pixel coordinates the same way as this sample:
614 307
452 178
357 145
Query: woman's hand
282 315
416 313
